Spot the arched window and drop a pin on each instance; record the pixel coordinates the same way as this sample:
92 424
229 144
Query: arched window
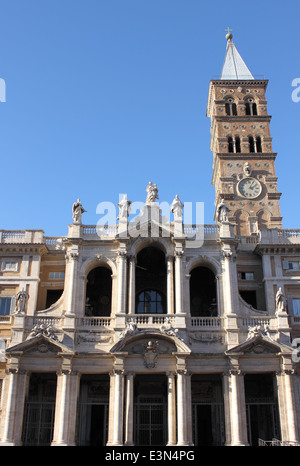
251 144
258 144
230 107
242 223
203 296
230 144
151 281
251 108
237 144
234 144
98 292
150 302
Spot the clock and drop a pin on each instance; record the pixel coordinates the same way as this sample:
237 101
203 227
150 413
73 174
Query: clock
249 188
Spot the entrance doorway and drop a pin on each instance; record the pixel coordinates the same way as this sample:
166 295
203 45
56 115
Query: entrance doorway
39 408
208 411
92 423
261 407
150 410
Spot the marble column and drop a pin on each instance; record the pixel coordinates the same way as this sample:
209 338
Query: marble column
72 260
131 286
170 285
122 262
235 408
129 409
188 404
178 282
66 408
117 438
16 383
287 408
181 409
171 409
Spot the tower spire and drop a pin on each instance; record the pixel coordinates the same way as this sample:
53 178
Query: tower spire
234 66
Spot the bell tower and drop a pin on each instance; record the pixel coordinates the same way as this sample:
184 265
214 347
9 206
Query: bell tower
243 158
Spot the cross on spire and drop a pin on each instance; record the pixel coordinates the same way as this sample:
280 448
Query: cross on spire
228 30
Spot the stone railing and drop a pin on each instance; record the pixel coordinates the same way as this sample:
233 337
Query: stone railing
246 322
205 322
284 236
21 236
94 322
99 231
149 320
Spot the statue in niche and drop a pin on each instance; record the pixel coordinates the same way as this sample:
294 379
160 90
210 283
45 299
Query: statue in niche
152 193
124 208
21 300
280 301
77 211
177 207
222 212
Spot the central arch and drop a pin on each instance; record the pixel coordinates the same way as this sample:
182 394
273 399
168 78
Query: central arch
151 281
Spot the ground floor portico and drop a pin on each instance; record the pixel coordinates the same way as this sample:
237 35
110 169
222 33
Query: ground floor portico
139 396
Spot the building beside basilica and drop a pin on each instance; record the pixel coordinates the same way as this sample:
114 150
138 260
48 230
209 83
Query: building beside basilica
155 332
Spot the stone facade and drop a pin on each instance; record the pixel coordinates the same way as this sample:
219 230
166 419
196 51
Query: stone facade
146 333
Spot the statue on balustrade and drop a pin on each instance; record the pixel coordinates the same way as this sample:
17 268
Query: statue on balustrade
77 211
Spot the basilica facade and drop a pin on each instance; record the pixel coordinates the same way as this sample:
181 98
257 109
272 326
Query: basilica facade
157 332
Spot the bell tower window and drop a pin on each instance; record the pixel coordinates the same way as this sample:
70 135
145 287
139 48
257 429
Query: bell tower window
251 108
251 144
230 107
258 144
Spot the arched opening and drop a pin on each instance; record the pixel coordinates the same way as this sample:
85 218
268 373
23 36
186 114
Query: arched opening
151 281
258 144
251 108
203 296
242 223
98 292
237 144
230 107
230 144
263 219
251 144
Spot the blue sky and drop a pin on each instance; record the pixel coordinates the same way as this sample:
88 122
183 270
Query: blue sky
104 95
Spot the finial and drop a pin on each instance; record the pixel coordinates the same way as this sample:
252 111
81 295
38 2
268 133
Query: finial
229 36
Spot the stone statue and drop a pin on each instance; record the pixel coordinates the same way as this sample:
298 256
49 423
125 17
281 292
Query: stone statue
167 328
21 300
258 330
247 169
77 211
177 207
124 208
152 193
280 301
43 329
131 329
222 212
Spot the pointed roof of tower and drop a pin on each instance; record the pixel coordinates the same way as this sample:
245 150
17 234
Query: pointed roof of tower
234 66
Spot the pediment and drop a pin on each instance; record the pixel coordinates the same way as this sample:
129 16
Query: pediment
38 345
136 344
259 344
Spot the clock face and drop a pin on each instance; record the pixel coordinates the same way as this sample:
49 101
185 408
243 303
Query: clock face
249 188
